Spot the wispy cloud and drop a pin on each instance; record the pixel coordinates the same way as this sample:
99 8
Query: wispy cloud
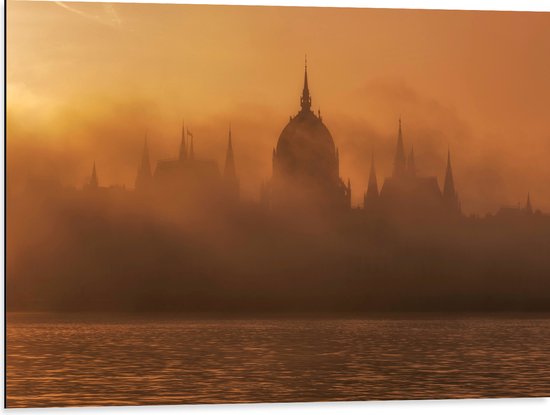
108 17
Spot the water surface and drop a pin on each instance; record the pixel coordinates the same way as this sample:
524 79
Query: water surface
63 360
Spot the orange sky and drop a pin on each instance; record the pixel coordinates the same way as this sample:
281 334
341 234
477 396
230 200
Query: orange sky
86 81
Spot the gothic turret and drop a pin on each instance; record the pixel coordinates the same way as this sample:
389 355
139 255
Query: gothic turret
399 164
371 196
229 172
93 183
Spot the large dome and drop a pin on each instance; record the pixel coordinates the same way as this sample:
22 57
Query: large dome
306 148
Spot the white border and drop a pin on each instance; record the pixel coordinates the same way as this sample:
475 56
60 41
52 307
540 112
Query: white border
446 407
442 407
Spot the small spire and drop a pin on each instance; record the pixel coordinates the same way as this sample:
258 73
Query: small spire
229 170
305 100
399 164
93 179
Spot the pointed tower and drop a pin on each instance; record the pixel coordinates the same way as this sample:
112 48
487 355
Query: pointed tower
528 207
450 196
305 100
399 164
371 197
183 144
229 170
93 183
411 164
144 177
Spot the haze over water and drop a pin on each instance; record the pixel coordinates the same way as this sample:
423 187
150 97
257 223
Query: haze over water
64 360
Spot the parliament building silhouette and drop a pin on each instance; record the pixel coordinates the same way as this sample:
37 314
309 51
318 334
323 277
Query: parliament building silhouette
305 175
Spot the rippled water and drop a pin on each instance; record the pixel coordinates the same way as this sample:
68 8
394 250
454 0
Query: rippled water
59 360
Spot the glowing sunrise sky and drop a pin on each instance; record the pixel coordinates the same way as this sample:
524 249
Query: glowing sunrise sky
88 81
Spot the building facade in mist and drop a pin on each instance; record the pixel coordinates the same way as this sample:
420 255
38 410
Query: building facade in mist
305 176
516 212
187 177
406 192
306 165
306 173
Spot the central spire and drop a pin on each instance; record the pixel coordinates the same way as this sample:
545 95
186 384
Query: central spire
305 100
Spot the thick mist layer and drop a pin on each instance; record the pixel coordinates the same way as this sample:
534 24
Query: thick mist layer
89 85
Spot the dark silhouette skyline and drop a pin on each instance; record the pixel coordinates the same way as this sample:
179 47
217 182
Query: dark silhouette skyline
184 240
305 166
